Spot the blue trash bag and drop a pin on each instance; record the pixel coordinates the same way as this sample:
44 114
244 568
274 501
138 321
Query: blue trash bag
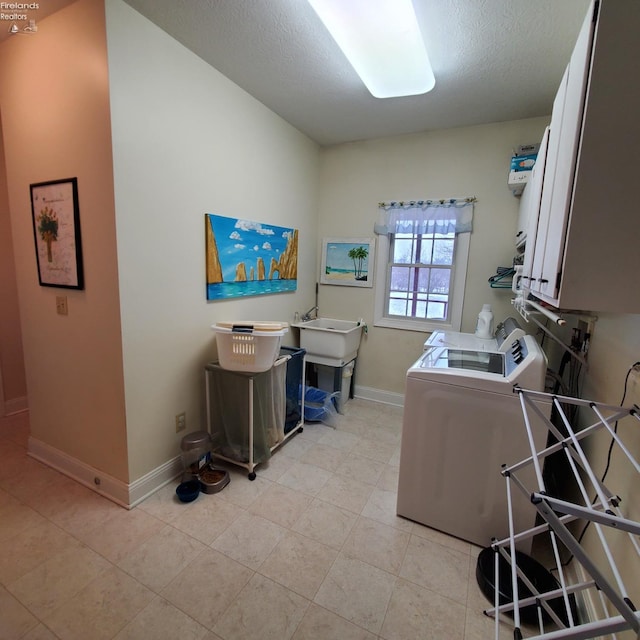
319 406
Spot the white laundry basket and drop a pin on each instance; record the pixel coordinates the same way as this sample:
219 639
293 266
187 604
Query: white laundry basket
248 346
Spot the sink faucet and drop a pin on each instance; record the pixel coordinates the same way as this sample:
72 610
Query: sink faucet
307 315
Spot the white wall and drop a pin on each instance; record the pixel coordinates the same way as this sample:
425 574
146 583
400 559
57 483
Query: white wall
470 161
614 349
55 114
13 383
106 381
187 141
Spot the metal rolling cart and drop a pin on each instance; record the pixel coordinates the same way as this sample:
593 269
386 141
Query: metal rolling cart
598 587
254 400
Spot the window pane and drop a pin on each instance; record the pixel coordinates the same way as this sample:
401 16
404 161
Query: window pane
399 278
426 249
397 307
403 250
443 251
440 281
437 310
423 279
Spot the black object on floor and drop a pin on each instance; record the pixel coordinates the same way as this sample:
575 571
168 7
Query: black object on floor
188 491
539 577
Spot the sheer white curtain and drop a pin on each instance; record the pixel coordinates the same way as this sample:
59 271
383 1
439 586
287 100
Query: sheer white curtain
425 216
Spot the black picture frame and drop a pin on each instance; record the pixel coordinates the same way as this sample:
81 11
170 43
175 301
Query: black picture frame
56 231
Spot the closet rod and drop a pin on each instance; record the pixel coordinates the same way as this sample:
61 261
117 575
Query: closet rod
581 359
559 320
520 305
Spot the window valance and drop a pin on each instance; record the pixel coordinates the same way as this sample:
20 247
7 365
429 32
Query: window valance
425 216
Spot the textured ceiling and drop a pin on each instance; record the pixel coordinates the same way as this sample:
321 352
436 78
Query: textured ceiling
494 60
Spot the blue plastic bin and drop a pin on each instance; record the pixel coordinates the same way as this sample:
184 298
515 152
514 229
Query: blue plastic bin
319 407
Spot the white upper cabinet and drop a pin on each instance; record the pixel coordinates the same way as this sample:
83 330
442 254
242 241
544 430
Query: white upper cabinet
582 249
530 201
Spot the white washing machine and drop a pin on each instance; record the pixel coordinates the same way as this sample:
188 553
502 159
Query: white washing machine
462 421
506 332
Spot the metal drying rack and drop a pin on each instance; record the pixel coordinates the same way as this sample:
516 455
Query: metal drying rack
601 587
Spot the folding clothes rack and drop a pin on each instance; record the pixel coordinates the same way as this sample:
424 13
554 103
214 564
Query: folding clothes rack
602 585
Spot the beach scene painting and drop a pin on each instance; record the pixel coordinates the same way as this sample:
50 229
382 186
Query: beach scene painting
247 258
347 261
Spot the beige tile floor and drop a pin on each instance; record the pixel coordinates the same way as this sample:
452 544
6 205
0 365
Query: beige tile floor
312 549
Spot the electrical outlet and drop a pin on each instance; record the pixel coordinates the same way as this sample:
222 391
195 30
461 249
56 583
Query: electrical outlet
632 386
634 375
181 422
61 305
584 332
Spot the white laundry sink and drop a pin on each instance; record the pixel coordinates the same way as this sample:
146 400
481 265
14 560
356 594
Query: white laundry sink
330 341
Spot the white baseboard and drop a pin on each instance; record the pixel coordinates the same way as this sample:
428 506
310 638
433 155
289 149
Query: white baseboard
149 483
129 495
378 395
126 495
15 405
86 475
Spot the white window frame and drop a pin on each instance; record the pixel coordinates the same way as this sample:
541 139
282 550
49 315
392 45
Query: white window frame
456 300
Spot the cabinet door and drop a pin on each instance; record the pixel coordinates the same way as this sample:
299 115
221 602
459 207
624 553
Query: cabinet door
524 210
566 126
538 253
533 194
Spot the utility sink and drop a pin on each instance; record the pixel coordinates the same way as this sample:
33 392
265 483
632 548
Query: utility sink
329 341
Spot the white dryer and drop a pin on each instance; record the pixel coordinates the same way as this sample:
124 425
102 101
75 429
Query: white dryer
462 421
506 332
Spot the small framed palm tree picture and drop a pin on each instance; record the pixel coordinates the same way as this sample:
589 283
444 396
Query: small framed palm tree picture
347 261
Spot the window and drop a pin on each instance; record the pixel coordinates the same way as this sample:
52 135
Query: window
421 270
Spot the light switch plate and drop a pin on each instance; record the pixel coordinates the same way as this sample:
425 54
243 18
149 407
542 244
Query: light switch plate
61 305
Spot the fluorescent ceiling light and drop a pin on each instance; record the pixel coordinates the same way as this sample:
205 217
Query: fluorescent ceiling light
382 41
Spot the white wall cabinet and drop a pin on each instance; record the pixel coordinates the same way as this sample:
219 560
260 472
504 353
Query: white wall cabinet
528 217
582 250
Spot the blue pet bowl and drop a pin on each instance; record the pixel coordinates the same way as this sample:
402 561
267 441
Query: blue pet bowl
188 491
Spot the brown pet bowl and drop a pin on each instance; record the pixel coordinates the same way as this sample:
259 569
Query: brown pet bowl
213 480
